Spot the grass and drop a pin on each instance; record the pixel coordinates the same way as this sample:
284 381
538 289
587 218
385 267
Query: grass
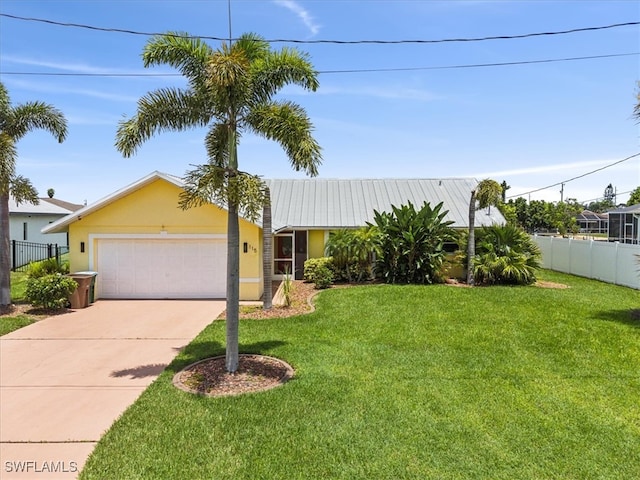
18 286
10 323
409 382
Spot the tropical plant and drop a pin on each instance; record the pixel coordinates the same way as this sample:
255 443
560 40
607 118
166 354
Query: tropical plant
230 91
15 123
339 247
505 254
287 289
412 243
50 291
353 252
487 192
634 198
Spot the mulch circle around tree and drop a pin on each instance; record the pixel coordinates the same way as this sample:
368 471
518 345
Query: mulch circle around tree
256 373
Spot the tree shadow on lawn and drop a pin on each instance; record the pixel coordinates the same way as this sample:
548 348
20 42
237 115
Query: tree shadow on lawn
627 316
195 352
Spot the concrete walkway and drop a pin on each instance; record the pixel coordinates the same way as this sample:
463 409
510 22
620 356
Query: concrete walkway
65 379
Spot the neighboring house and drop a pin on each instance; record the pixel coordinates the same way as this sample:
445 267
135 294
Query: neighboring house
144 246
27 220
592 222
624 225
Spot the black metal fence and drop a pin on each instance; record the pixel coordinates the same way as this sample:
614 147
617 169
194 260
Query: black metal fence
23 253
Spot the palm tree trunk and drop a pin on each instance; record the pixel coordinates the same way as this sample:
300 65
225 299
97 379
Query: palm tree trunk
267 252
233 288
233 256
5 253
471 243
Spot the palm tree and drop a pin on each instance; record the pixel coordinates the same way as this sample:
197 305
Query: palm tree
487 192
15 123
230 91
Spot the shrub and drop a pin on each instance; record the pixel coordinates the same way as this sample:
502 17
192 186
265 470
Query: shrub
311 265
50 291
323 277
46 267
412 243
505 255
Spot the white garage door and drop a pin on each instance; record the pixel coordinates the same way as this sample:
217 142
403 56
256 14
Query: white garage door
161 268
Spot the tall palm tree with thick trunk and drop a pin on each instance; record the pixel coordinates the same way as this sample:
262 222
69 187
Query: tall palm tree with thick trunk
230 91
487 192
15 123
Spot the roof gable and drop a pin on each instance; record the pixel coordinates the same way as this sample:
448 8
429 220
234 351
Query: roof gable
62 224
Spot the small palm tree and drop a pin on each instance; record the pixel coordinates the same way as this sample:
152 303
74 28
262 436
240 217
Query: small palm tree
15 123
506 255
230 91
487 192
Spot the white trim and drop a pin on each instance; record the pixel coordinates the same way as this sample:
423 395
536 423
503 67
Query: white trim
148 236
250 280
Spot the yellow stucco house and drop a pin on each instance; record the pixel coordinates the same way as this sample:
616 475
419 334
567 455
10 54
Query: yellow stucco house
144 246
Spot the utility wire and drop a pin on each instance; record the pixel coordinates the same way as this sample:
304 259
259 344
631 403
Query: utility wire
575 178
365 70
338 42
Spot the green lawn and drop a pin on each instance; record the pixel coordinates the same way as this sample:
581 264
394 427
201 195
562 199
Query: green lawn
409 382
18 287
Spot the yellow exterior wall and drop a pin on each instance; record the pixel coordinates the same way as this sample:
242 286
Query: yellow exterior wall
153 209
316 243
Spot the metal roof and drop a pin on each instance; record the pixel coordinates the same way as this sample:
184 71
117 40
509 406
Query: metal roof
629 209
589 216
346 203
334 203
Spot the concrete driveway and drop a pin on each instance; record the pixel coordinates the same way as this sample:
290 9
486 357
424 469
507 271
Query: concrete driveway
65 379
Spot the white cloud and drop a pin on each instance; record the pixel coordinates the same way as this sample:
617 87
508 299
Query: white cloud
302 13
66 67
543 169
48 88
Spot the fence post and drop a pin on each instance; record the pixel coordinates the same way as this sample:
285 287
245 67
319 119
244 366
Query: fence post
57 250
13 256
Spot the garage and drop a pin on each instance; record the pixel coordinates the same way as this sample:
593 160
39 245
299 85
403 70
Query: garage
148 268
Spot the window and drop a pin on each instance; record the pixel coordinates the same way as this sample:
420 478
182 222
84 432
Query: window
283 254
25 229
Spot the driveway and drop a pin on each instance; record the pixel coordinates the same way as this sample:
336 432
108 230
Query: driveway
65 379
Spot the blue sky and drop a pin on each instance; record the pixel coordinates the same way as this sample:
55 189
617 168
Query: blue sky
532 125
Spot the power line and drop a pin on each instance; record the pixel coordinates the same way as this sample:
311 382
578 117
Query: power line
482 65
365 70
338 42
575 178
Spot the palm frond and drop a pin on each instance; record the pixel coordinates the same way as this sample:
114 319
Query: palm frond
279 68
23 191
26 117
187 54
288 124
168 109
8 157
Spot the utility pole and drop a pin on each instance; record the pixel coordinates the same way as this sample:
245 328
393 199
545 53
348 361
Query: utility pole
562 192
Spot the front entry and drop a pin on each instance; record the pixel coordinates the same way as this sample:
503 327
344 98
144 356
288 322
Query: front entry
290 251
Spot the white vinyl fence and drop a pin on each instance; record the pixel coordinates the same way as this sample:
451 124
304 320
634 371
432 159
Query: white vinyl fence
610 262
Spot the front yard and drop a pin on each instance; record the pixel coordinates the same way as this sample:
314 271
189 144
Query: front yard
409 382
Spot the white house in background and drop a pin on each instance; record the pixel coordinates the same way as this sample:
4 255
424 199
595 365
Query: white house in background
26 220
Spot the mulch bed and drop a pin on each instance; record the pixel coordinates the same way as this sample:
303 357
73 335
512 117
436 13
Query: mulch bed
255 373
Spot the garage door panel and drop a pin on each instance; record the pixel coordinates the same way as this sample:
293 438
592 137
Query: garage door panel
161 268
